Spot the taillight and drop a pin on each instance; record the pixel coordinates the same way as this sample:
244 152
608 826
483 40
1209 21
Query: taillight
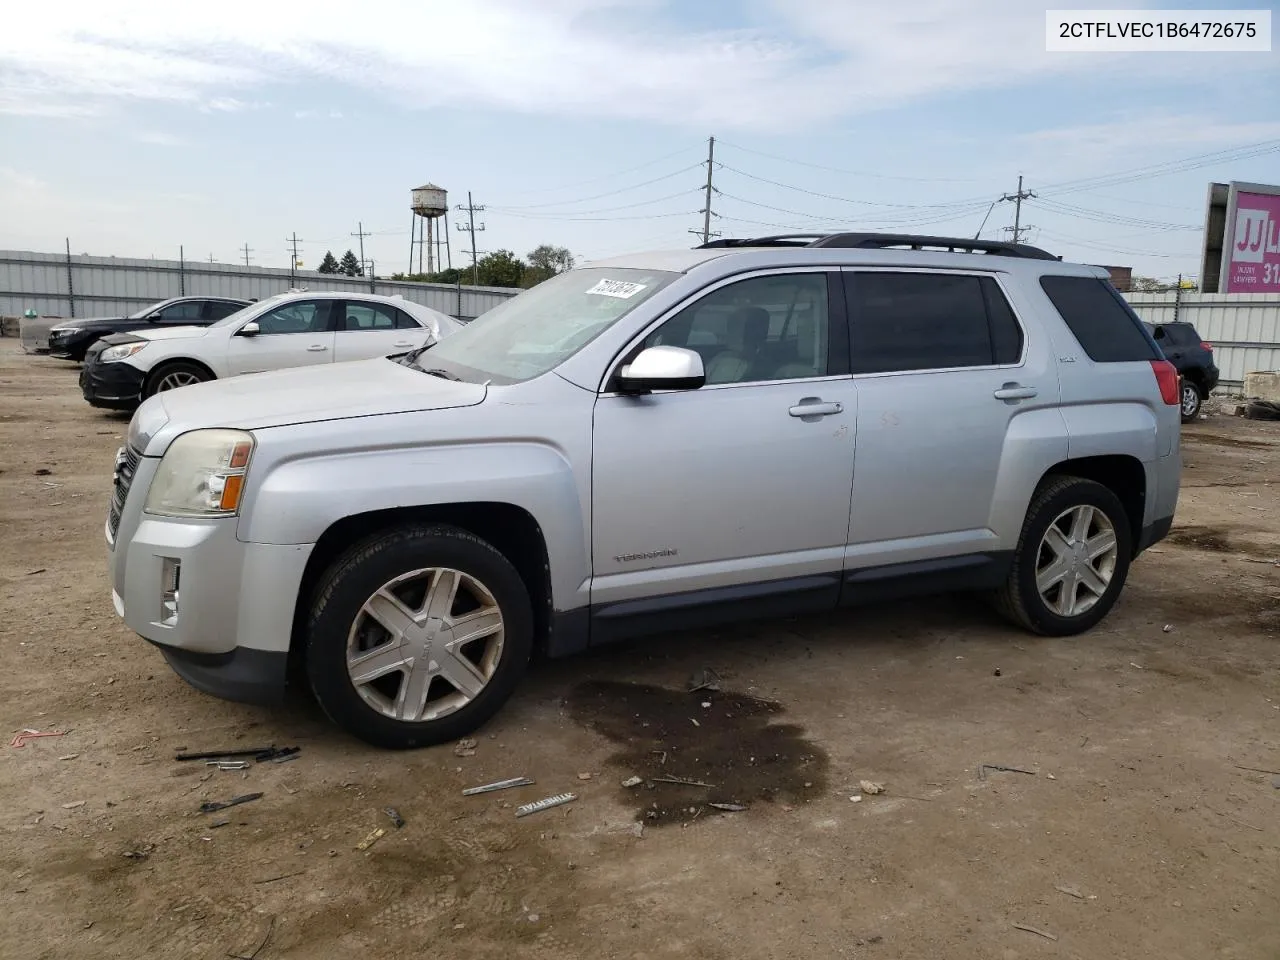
1167 376
1208 346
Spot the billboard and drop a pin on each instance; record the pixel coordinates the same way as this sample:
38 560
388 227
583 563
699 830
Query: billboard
1247 234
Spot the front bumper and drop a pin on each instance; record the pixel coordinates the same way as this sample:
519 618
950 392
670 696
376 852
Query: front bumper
220 609
71 345
113 386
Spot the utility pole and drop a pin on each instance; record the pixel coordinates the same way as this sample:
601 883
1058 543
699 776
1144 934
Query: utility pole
211 258
361 234
247 250
706 211
1017 229
293 258
471 228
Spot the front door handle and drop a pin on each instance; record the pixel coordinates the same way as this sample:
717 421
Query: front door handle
317 348
403 343
814 407
1015 391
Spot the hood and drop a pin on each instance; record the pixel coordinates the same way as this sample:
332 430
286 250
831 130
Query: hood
171 333
358 388
83 322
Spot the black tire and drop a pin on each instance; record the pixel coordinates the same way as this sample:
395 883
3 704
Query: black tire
1192 401
174 368
1019 599
365 568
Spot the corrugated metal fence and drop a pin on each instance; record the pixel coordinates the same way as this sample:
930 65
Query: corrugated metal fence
60 286
1244 328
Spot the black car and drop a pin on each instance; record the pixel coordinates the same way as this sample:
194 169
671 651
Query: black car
1193 357
70 339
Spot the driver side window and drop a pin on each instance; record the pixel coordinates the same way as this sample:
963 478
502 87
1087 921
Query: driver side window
764 328
302 316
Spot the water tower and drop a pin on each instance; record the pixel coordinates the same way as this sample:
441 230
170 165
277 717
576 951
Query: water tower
429 204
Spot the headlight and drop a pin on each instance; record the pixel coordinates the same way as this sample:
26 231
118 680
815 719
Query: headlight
121 351
201 475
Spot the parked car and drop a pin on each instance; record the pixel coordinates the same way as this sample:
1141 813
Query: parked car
71 339
1193 358
749 429
289 330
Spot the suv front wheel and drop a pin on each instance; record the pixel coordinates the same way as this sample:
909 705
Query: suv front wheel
417 636
1072 558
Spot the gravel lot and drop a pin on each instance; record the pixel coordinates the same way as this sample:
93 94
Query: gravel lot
1140 832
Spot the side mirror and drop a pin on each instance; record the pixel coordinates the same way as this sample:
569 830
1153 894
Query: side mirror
250 329
662 368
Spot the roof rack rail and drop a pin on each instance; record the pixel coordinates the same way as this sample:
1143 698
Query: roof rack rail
883 241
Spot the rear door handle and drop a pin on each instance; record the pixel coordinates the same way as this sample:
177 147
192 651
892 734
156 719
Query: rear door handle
814 407
317 348
1015 391
403 343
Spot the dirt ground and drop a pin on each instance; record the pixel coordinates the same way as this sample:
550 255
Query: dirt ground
1140 831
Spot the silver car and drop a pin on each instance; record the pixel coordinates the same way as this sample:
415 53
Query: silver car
674 439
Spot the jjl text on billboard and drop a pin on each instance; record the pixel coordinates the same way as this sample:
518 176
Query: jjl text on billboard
1254 251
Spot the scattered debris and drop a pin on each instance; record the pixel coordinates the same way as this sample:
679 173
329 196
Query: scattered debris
995 672
730 807
870 788
210 806
371 839
271 926
632 782
584 776
1036 930
282 876
32 573
706 704
69 756
856 798
228 764
218 823
694 722
257 753
73 806
683 781
21 739
394 814
704 679
464 748
286 757
44 472
984 767
1256 769
140 854
498 785
1167 628
545 804
1069 891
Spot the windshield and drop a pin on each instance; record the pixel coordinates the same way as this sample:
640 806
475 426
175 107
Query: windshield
149 310
539 329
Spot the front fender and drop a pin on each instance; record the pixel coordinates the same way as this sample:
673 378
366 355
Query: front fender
293 501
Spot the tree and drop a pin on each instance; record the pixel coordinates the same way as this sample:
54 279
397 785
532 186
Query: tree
545 261
329 264
350 265
502 268
1150 285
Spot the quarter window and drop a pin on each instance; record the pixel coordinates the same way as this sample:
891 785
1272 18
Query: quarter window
370 316
186 312
1107 328
765 328
222 308
406 322
929 321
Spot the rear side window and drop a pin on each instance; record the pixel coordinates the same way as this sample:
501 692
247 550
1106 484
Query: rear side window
1107 329
406 322
221 308
923 321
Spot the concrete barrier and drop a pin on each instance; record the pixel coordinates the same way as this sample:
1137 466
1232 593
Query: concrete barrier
1262 385
35 333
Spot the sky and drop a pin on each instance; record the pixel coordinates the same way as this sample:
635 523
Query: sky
137 127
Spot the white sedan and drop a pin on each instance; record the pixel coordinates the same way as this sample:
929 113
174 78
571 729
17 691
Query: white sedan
288 330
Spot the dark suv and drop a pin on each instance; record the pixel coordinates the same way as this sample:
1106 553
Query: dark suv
70 339
1193 357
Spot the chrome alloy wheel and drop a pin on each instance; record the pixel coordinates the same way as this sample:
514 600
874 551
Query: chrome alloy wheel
176 379
425 644
1076 560
1190 400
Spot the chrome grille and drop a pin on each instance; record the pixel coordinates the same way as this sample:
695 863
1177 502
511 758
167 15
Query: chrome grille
126 466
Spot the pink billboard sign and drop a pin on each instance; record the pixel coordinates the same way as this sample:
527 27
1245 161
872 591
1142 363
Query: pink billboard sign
1254 251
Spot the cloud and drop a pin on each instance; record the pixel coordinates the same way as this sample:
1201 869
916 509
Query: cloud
159 139
783 63
317 114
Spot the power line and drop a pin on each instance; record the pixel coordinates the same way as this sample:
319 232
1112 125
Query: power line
1105 216
607 193
246 249
471 228
1245 152
869 203
851 173
568 214
611 176
1017 229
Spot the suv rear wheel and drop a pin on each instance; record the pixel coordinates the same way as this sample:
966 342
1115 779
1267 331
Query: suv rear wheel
1072 558
1191 401
417 636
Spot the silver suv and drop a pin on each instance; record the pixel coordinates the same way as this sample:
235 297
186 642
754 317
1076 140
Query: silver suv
749 429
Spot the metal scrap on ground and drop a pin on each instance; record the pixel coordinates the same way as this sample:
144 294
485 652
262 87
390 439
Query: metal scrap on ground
704 679
394 814
21 739
210 806
371 839
984 767
498 785
545 804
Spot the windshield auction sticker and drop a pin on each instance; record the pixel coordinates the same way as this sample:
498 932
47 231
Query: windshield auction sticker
621 289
